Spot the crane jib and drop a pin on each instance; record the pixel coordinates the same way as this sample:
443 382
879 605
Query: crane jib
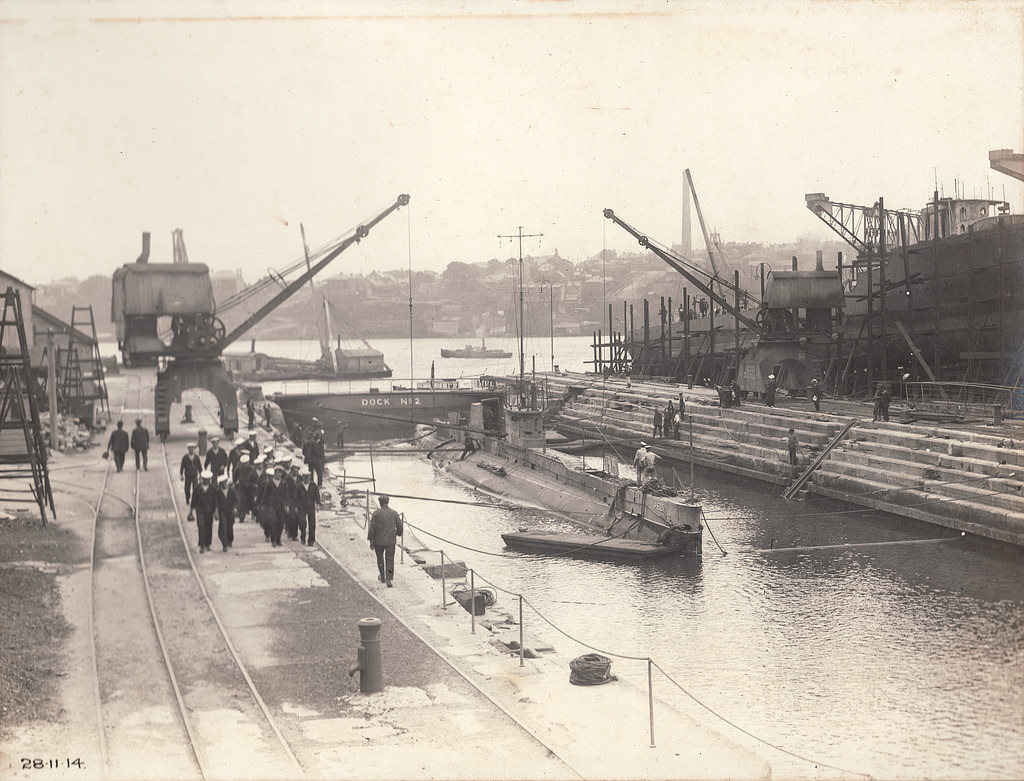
360 233
675 264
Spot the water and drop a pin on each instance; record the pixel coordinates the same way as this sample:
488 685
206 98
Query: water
894 660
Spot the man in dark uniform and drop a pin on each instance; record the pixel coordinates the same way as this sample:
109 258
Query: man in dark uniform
189 471
226 498
252 446
316 456
216 459
308 499
382 531
250 410
235 454
118 443
140 444
204 503
245 486
272 507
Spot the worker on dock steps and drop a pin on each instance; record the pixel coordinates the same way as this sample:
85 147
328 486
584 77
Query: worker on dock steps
791 444
638 461
189 471
383 531
677 421
657 423
226 500
882 398
769 391
118 445
140 444
816 393
204 505
216 459
250 410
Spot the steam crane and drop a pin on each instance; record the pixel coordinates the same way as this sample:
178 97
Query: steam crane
792 348
147 297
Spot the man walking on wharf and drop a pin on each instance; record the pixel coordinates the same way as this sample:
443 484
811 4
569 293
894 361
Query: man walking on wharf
382 531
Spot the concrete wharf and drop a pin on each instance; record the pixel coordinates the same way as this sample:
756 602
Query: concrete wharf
966 475
457 703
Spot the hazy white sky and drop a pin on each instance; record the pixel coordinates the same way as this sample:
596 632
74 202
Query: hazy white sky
238 121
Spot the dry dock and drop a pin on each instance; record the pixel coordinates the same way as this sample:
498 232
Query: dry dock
966 475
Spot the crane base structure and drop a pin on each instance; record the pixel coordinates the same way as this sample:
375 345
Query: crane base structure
181 375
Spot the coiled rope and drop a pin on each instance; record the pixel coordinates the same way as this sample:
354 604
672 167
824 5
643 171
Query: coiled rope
591 670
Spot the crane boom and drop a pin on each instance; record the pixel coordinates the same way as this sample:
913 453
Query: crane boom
675 263
703 227
360 233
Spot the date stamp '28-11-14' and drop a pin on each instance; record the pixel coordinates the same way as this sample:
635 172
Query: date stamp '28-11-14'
51 763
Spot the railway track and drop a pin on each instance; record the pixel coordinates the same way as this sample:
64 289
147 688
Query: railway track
173 698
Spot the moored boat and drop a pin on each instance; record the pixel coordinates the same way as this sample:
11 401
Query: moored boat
472 351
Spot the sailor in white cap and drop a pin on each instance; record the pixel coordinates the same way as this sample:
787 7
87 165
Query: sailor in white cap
216 459
204 504
275 498
191 466
307 497
226 500
245 486
235 454
769 391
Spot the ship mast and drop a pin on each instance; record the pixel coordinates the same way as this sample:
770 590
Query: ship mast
522 354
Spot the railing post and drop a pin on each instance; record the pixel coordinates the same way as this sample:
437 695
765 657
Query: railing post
472 603
444 588
650 697
521 662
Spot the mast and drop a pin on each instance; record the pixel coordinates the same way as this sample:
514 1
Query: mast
522 359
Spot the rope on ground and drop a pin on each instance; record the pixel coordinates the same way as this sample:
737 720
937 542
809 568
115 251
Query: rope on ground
600 654
590 670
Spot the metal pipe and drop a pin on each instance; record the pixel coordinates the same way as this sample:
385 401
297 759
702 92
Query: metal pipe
521 662
650 696
472 603
444 587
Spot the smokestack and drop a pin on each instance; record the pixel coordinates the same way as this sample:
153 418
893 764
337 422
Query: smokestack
819 263
794 263
686 242
144 257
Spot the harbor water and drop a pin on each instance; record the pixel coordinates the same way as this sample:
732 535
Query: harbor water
852 639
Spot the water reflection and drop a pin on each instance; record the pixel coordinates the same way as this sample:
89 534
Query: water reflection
899 660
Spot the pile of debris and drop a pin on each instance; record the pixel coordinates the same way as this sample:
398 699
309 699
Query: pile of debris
71 433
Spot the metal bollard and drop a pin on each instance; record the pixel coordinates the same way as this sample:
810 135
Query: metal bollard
368 664
188 414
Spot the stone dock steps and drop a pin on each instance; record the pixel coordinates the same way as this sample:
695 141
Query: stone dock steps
968 477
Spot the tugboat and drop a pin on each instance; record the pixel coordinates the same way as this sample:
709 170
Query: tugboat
471 351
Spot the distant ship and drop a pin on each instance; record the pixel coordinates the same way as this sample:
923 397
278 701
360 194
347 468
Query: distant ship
471 351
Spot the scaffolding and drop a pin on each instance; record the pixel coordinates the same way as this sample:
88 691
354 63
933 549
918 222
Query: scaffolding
81 378
22 452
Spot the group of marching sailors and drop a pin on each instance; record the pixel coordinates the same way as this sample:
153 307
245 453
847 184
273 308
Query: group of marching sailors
282 496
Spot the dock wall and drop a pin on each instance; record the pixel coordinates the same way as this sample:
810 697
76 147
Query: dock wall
967 475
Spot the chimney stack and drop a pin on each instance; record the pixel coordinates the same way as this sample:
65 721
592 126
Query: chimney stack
144 257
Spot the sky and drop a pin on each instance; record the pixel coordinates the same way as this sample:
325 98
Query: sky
238 121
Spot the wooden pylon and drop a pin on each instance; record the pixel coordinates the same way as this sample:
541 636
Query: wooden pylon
22 452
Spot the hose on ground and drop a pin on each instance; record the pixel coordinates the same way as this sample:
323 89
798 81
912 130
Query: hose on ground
590 670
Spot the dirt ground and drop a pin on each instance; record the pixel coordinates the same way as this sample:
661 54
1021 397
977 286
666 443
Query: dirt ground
32 623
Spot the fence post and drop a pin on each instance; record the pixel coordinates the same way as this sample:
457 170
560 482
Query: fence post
444 588
472 603
650 697
521 663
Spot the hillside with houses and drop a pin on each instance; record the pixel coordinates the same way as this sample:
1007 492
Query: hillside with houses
480 299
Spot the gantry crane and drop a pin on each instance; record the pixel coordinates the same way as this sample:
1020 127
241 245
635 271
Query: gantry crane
146 295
